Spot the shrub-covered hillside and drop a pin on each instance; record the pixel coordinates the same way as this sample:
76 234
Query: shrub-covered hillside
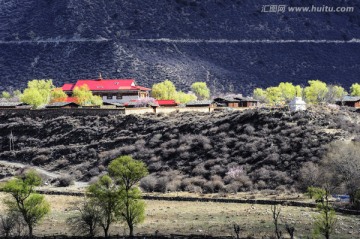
232 151
230 44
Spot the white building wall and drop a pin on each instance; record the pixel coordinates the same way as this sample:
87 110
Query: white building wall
297 104
124 99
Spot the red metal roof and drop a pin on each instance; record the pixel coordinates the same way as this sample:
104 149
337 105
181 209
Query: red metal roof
106 85
166 102
71 99
68 87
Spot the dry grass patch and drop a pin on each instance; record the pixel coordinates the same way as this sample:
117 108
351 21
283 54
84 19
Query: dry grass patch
200 218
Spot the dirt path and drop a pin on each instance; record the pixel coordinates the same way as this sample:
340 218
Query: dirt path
40 170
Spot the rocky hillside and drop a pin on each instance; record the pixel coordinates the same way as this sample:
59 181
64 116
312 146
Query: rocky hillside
230 44
183 151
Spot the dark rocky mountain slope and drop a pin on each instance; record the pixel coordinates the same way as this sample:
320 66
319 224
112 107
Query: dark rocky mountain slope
183 151
230 44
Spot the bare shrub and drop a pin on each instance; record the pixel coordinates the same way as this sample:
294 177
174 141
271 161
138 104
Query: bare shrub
193 189
233 187
65 181
148 183
200 170
174 185
7 224
308 176
40 159
161 184
94 172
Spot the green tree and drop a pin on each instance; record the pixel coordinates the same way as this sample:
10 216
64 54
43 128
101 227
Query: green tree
37 93
316 91
299 91
274 95
201 90
128 172
326 219
32 97
334 93
164 90
107 195
85 97
25 201
355 89
288 91
260 95
5 95
132 210
58 95
17 93
184 98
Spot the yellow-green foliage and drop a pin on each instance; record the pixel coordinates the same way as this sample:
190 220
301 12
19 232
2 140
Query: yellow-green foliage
182 97
24 201
316 91
85 97
167 91
37 93
127 170
280 94
288 91
274 95
58 95
201 90
260 94
5 95
355 89
164 90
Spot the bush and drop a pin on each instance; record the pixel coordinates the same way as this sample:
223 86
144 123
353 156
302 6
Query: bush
357 200
148 183
161 185
65 181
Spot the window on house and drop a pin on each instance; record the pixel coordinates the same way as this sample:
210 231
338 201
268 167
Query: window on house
118 96
109 97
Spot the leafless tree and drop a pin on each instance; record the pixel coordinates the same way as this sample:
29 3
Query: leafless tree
290 229
309 175
7 224
86 221
342 162
276 210
237 230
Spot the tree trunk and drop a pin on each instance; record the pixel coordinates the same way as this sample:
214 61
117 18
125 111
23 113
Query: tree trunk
106 232
131 230
30 231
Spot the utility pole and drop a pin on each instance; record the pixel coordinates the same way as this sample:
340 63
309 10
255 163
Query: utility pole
11 138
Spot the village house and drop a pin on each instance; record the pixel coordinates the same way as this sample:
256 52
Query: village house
62 105
350 101
111 90
226 102
235 102
202 103
14 105
246 102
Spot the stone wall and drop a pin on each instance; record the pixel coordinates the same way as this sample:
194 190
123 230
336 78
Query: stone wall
129 111
51 113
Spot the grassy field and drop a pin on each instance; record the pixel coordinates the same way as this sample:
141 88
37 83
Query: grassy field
201 218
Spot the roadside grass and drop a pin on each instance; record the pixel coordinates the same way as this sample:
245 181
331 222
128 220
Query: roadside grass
172 217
